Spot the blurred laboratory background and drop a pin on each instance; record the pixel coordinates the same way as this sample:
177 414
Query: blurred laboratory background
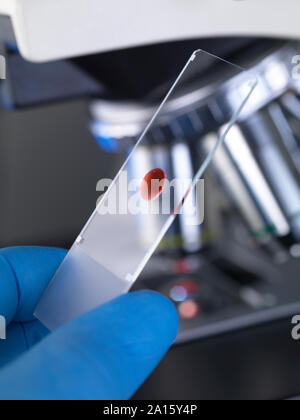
66 124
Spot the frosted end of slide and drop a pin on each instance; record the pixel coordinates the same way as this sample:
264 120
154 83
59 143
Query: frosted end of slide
77 288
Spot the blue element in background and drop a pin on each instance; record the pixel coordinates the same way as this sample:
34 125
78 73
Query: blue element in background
108 144
12 47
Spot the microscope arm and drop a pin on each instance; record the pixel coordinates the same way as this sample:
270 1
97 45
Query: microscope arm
54 29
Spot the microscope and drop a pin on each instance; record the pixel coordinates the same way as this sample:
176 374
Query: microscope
241 267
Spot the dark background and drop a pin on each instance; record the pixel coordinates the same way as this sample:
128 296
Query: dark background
260 363
49 167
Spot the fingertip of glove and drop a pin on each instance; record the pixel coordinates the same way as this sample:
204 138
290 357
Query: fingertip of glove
137 317
146 315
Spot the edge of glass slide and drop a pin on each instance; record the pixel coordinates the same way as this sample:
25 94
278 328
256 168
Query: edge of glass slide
252 82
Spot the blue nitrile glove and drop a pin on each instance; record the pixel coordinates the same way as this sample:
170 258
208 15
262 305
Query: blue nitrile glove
105 354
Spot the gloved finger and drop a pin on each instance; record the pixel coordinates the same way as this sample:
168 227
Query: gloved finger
20 338
25 273
105 354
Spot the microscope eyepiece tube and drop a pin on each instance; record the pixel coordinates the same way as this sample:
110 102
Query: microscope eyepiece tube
267 146
245 183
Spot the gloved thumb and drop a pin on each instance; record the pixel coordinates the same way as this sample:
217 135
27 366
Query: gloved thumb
105 354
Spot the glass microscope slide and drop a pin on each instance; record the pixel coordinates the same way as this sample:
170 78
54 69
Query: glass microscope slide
110 253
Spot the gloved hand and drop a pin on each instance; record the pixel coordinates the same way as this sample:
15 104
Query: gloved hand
105 354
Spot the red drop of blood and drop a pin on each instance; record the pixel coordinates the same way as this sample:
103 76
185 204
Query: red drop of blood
153 184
